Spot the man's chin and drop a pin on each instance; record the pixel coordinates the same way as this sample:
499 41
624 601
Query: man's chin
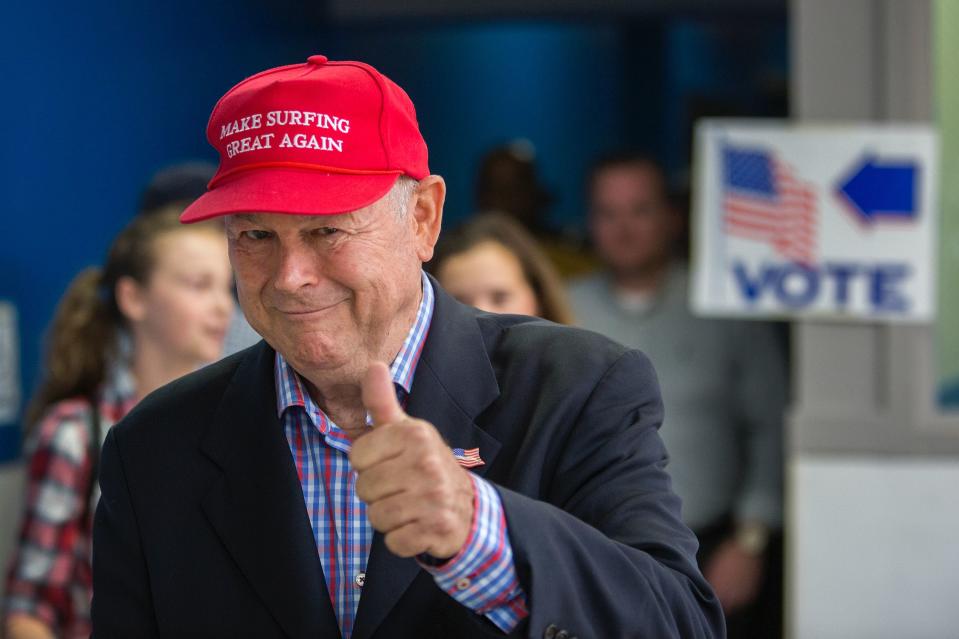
317 359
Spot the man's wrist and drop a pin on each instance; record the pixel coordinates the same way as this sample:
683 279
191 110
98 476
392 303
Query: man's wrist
433 562
438 564
482 576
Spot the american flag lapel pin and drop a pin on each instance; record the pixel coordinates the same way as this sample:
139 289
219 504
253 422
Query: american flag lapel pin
468 458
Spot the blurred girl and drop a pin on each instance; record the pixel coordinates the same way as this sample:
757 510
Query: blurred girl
158 309
492 263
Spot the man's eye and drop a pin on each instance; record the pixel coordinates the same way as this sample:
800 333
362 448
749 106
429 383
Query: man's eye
327 231
256 235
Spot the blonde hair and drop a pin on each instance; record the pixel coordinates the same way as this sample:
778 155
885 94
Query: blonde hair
537 269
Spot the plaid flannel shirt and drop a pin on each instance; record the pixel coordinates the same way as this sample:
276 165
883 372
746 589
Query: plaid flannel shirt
50 574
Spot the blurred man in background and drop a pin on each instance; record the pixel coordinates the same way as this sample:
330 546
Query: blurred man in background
724 386
508 182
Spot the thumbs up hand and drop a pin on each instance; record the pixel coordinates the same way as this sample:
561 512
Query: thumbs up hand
416 493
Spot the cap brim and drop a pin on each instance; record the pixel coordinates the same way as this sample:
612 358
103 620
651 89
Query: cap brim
290 191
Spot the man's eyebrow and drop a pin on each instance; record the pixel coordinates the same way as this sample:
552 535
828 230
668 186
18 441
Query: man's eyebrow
245 217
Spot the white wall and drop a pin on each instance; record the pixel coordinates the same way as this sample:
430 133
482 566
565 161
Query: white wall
878 542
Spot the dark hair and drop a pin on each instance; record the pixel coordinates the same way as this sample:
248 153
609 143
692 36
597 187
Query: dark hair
621 159
82 338
539 272
177 184
508 181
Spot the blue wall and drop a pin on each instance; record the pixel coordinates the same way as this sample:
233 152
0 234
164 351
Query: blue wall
100 97
557 85
96 99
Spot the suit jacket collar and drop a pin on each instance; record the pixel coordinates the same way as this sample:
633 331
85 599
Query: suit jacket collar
257 506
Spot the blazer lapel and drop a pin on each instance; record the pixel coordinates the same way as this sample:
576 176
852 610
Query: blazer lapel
454 382
257 508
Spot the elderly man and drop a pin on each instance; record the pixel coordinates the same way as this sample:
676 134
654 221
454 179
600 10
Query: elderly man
388 462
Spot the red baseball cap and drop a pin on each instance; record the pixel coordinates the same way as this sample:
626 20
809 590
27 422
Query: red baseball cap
318 138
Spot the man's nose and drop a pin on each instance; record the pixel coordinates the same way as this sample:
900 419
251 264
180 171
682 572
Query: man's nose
298 267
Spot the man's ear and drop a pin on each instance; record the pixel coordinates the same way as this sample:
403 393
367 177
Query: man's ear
130 299
427 212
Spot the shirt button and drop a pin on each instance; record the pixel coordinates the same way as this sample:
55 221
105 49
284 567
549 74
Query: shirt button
360 579
550 632
463 583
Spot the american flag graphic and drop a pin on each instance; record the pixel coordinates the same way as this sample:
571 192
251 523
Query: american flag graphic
763 200
468 458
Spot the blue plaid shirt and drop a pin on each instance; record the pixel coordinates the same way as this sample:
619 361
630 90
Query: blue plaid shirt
482 576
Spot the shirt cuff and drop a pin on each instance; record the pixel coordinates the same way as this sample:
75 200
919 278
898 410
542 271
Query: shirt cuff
482 576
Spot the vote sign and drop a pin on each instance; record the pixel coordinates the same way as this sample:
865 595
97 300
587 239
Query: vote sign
814 221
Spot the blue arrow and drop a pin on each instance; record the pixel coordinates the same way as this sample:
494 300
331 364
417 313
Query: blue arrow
882 190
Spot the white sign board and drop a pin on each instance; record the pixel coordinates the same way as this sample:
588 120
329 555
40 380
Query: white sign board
814 221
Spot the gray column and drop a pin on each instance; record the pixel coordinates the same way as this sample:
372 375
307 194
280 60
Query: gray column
873 515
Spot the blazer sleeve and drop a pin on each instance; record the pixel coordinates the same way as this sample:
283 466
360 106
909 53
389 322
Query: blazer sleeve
122 604
606 553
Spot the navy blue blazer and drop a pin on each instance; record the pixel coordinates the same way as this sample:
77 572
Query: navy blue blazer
201 530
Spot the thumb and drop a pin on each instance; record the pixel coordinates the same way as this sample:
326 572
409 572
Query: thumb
379 395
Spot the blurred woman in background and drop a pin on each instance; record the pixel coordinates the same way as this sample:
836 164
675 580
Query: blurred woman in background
494 264
158 309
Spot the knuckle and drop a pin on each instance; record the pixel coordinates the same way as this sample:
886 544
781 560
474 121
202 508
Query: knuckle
399 544
382 517
374 514
431 466
356 454
444 524
380 512
363 488
393 543
419 432
438 496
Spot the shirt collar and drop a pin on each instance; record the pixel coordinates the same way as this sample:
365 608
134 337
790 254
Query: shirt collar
291 391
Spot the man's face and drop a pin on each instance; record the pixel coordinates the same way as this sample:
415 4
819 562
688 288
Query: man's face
331 293
632 224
